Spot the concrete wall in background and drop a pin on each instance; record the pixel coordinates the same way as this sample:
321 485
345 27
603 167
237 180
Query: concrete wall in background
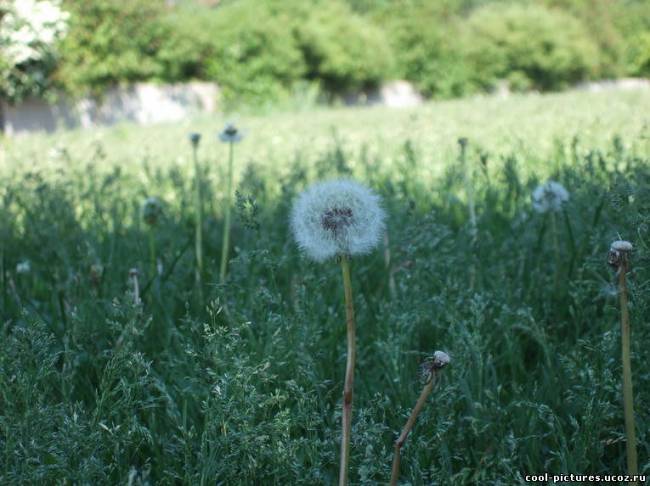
142 103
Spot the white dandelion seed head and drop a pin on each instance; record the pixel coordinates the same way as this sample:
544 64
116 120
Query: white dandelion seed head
230 134
549 196
23 267
339 217
621 245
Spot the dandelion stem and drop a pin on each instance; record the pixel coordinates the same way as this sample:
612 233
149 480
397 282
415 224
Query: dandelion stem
468 176
628 397
136 286
199 220
556 249
392 288
152 252
424 394
349 372
226 230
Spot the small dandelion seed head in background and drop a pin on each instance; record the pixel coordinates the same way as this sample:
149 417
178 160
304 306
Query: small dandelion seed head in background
549 196
340 217
151 210
195 138
608 291
230 134
23 267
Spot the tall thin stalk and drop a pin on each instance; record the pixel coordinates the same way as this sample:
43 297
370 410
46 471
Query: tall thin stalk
226 230
619 258
198 182
556 250
133 275
424 394
152 252
439 360
349 372
468 180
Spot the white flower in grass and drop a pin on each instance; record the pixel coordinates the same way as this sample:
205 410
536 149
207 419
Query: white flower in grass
339 217
549 197
230 134
23 267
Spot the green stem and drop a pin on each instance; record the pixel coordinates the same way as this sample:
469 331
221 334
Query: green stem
556 249
152 252
226 231
199 222
468 180
426 391
628 397
349 372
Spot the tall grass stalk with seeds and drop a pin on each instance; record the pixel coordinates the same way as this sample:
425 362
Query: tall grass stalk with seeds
151 212
468 181
430 370
340 219
195 139
230 135
549 198
619 258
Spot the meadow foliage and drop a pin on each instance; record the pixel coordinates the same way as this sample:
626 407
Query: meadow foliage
240 384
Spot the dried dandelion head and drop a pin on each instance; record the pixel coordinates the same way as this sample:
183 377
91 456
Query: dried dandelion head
434 363
230 134
549 196
195 139
340 217
619 253
151 210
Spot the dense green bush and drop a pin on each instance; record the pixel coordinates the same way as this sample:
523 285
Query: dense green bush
255 60
530 46
641 56
426 49
183 54
267 50
343 50
110 41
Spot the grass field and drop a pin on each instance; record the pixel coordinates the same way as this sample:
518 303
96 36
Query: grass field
240 383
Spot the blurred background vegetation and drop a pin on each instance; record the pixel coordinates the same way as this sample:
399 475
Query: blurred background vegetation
262 51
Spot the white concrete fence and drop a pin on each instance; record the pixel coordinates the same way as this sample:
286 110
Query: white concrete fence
142 103
146 103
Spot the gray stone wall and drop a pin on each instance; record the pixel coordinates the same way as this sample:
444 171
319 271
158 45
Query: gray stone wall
142 103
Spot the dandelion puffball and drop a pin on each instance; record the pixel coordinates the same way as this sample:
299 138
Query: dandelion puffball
339 217
23 267
549 197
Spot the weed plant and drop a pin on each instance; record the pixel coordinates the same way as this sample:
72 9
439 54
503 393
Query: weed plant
98 389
